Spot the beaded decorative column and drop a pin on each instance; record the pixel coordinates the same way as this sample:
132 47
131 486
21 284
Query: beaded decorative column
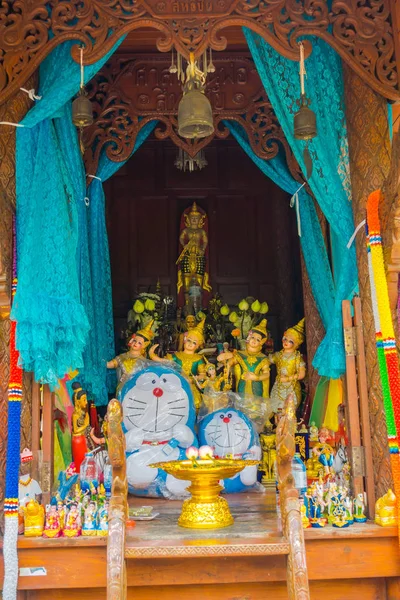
369 149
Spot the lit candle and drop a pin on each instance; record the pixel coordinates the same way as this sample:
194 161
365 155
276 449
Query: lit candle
192 453
206 452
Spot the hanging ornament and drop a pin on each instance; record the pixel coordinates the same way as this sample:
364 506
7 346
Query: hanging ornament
82 112
184 162
305 122
195 117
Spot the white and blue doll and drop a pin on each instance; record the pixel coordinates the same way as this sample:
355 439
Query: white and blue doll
231 432
158 419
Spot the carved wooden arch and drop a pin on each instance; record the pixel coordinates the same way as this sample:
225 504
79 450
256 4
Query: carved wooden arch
364 33
129 92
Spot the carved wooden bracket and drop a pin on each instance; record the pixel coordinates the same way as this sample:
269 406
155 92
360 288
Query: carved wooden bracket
129 92
361 32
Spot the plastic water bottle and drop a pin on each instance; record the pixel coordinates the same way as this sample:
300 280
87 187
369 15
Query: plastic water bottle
299 474
89 472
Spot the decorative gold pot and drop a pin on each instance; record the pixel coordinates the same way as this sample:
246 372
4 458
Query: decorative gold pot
206 509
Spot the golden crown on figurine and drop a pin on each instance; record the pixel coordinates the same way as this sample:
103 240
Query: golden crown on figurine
297 332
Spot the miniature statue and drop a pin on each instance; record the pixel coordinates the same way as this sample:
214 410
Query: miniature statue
359 508
190 323
339 517
73 524
290 367
268 463
89 526
52 527
192 262
28 488
315 496
213 382
61 514
386 510
66 479
125 363
103 520
33 518
251 366
313 432
81 439
191 362
304 518
348 505
324 454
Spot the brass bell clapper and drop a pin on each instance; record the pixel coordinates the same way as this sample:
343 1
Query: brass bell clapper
305 122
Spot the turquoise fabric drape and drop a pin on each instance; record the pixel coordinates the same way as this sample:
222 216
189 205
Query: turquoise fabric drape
330 181
312 242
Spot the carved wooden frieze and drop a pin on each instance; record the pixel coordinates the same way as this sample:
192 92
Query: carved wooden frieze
129 92
362 32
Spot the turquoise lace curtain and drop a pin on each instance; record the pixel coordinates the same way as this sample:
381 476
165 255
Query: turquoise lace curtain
63 289
330 180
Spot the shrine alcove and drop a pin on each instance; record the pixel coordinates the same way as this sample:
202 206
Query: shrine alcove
253 241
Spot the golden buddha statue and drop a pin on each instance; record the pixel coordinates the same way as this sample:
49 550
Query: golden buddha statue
290 367
191 362
192 264
386 510
125 363
33 518
268 463
190 323
250 366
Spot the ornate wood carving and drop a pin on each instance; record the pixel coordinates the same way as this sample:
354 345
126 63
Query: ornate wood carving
118 510
13 111
129 92
297 577
367 126
361 32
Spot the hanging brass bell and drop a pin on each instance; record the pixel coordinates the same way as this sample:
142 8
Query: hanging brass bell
82 112
195 118
305 122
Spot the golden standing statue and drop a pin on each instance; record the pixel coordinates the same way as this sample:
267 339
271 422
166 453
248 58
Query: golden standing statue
192 264
290 367
125 363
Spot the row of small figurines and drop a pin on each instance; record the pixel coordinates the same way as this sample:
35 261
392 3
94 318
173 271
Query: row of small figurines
331 504
73 518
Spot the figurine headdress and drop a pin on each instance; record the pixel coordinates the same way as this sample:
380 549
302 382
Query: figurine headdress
296 333
261 328
26 455
196 212
147 333
198 332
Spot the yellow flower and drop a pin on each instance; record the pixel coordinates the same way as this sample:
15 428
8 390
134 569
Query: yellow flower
138 307
224 310
150 305
255 307
264 308
243 305
233 317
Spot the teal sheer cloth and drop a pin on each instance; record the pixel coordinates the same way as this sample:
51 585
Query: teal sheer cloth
330 180
63 300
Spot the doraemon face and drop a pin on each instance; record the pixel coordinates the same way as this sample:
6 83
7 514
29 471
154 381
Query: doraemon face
155 404
228 433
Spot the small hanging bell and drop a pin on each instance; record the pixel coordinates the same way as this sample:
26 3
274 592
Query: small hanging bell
82 112
305 122
195 118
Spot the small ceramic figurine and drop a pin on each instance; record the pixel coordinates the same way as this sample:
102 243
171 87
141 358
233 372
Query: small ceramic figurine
268 464
316 503
386 510
290 367
192 262
73 524
81 439
103 520
313 432
324 453
304 518
359 508
191 362
33 519
89 527
52 527
213 382
250 366
125 363
28 488
190 323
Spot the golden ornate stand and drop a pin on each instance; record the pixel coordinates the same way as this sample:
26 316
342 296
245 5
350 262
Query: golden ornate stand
206 509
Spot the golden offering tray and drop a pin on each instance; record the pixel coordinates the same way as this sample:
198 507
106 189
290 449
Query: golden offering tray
206 509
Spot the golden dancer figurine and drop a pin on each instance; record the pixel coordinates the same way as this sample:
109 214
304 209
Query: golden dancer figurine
251 366
192 263
190 361
125 363
290 367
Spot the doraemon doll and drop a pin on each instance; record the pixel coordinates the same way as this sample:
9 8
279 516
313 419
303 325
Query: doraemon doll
230 431
158 419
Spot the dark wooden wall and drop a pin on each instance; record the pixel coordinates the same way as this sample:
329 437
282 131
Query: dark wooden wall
253 241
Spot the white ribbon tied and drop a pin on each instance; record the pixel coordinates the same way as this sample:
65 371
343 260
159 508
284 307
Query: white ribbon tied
353 237
294 201
31 94
94 177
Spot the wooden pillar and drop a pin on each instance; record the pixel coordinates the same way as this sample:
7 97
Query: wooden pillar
369 149
13 111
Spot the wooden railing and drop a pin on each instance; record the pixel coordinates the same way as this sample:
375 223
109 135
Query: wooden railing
118 509
297 577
